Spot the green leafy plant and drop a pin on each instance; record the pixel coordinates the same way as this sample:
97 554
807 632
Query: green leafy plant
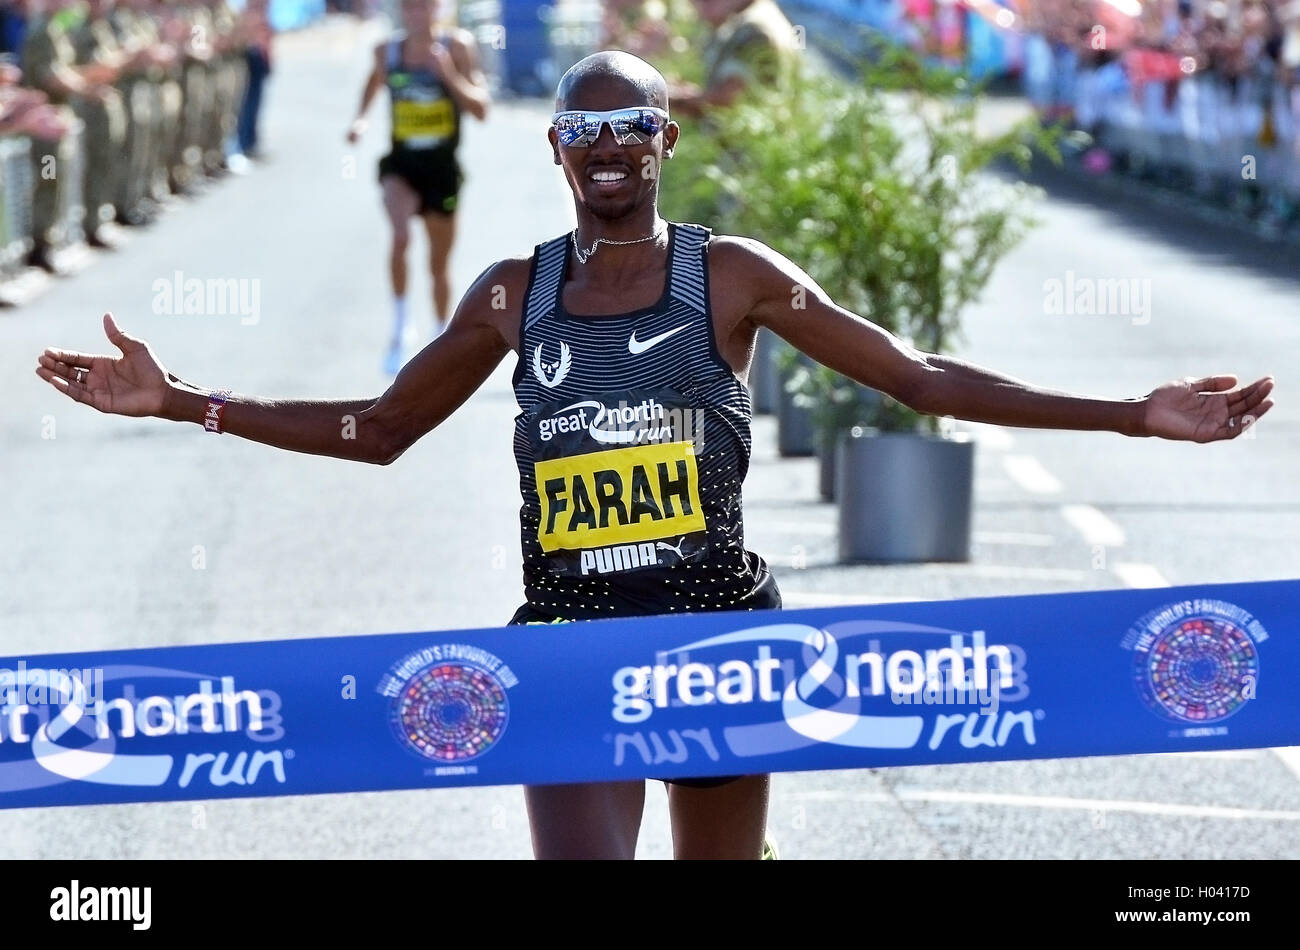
880 189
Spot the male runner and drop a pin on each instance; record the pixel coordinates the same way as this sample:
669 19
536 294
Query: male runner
432 77
640 512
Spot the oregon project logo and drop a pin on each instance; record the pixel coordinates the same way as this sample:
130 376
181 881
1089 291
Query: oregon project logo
1196 661
448 703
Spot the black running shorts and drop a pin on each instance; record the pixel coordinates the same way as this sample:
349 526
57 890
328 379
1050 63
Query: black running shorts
435 176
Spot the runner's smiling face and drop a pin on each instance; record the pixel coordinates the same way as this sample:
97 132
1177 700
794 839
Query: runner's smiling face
609 180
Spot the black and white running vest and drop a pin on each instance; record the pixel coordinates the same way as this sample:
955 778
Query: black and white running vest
632 442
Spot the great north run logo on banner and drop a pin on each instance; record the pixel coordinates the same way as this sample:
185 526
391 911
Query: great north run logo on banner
847 687
133 726
448 704
1196 662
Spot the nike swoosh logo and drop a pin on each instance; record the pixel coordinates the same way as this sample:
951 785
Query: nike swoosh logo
635 346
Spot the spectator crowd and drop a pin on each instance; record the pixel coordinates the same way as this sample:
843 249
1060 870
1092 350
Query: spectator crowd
107 107
1203 94
1244 55
1207 91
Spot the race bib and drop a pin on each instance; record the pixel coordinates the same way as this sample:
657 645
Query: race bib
421 124
618 484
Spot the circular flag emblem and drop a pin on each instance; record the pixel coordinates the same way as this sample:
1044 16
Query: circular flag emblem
1199 669
451 711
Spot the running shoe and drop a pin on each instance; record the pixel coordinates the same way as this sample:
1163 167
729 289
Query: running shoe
393 361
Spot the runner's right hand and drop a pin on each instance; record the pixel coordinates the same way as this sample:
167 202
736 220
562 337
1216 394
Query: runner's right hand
133 384
355 131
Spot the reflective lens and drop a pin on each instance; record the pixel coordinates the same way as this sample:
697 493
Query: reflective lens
633 126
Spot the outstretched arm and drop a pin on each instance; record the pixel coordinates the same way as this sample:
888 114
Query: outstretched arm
789 302
428 389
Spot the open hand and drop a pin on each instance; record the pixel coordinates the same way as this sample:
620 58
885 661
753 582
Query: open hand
1206 410
133 384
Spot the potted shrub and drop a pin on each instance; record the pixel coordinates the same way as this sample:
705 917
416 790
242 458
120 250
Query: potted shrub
796 434
876 188
836 404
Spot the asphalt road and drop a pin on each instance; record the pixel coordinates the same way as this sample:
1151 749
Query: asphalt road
104 519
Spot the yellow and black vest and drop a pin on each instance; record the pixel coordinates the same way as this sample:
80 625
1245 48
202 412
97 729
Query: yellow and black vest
425 117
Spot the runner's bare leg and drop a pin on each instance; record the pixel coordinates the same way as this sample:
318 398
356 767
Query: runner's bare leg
723 822
587 820
442 234
400 202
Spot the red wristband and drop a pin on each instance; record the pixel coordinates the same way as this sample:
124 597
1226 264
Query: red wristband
216 405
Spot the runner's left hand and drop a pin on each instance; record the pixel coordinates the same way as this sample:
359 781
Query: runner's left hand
443 65
1205 410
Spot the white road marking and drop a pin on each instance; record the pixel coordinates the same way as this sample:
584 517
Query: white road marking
1290 756
1058 802
1139 575
1014 537
1095 527
1030 475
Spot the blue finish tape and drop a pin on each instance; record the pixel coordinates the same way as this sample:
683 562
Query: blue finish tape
1043 676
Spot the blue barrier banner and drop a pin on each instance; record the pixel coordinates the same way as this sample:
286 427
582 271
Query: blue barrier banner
1043 676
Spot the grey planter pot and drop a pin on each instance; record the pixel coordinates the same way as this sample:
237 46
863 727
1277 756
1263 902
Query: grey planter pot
828 445
828 451
904 497
795 434
764 378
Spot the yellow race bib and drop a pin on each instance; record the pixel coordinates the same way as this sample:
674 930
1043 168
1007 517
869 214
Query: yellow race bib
415 121
618 482
619 496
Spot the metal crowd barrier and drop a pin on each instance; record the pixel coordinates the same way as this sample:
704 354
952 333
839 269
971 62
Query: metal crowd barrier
15 204
1206 133
71 207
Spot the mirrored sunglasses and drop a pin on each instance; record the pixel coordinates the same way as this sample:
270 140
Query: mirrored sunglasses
632 126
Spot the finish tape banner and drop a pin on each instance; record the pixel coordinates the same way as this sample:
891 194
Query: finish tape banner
991 679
